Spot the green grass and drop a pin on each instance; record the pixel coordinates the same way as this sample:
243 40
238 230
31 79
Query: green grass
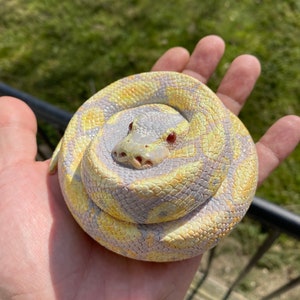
63 51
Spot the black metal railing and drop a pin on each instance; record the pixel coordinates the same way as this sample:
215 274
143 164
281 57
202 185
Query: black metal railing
277 219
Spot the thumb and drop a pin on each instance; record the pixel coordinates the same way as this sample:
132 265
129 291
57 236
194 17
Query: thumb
17 132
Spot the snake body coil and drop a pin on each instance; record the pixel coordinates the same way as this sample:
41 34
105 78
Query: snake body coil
155 168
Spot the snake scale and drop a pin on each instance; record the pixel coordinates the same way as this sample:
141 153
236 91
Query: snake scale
155 168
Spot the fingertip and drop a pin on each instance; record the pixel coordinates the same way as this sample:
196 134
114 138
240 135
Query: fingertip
249 64
213 41
205 58
286 130
292 122
174 59
239 81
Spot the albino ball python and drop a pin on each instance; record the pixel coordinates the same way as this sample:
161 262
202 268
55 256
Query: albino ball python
155 168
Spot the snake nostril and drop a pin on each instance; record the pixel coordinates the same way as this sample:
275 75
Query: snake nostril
123 154
139 159
149 163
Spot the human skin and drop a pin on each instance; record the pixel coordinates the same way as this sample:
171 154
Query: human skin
43 252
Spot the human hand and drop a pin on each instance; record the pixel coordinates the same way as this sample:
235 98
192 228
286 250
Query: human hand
45 255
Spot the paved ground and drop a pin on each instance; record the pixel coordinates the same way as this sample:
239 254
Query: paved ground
211 289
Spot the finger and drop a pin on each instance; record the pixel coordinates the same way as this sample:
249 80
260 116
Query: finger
175 59
277 143
17 132
205 58
238 82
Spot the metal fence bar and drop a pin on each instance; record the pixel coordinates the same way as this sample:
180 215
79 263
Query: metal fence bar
45 111
269 213
293 283
271 238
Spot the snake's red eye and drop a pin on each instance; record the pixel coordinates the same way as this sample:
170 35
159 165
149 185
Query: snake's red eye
171 138
130 126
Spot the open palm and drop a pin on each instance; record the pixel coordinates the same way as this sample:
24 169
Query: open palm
45 255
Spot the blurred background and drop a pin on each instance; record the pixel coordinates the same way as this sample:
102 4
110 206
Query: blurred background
64 51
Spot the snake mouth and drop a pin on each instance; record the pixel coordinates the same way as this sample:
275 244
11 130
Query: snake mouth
137 162
140 163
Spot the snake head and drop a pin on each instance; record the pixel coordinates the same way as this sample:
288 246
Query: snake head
149 140
139 156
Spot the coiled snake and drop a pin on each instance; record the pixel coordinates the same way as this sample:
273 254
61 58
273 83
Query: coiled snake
155 168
